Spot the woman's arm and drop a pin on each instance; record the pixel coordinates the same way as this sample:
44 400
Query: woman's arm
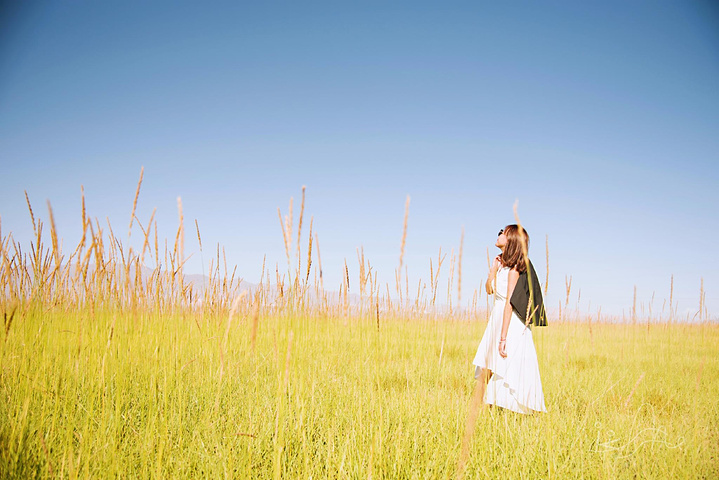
513 277
489 286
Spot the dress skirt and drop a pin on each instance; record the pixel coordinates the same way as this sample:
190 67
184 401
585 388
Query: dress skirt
515 383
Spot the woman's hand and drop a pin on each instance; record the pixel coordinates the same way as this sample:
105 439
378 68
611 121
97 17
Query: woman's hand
489 286
503 348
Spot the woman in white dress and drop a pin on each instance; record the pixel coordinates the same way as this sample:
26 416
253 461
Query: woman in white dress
506 360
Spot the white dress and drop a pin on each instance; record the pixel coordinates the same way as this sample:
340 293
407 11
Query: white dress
515 382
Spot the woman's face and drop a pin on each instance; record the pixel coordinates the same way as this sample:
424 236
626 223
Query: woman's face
501 240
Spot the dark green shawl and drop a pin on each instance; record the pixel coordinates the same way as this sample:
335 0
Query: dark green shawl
525 302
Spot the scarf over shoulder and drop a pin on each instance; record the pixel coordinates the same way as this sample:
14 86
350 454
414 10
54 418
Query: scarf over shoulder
528 302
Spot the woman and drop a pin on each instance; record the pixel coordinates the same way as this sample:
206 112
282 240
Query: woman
506 360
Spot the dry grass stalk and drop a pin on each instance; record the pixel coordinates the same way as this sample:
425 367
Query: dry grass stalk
398 284
146 241
288 241
47 455
84 216
224 261
309 250
546 249
440 259
180 239
701 300
362 278
319 262
261 285
634 306
671 300
53 236
197 229
470 425
459 268
255 324
404 234
134 202
368 281
280 283
299 232
417 298
32 216
347 276
629 398
284 235
235 305
157 249
699 375
431 272
7 322
474 302
450 280
377 310
223 347
346 288
406 284
288 224
651 305
568 289
287 361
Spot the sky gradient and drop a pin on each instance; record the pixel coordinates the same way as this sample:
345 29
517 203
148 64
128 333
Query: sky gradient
601 119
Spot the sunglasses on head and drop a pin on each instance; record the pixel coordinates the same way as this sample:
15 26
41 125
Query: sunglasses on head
500 232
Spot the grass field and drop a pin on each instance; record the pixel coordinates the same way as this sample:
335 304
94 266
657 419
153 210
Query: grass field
170 396
109 371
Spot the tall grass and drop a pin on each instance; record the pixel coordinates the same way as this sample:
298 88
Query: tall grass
111 368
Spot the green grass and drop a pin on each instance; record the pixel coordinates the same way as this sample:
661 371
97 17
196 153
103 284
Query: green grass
117 394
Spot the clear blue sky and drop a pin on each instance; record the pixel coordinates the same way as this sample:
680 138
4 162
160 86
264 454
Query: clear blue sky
601 118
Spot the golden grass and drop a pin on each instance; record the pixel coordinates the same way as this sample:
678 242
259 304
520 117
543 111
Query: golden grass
111 370
153 396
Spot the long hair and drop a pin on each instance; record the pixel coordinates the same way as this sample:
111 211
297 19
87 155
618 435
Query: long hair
513 255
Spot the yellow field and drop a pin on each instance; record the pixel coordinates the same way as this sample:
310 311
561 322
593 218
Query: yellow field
154 395
109 372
